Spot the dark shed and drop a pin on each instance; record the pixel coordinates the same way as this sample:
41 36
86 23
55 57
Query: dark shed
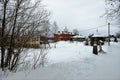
97 38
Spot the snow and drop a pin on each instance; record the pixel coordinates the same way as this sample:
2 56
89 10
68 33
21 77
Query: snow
78 36
75 61
97 34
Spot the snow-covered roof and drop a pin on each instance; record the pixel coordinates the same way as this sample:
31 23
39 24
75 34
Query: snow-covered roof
78 36
98 35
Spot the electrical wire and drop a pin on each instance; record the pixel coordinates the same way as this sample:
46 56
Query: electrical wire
92 28
96 27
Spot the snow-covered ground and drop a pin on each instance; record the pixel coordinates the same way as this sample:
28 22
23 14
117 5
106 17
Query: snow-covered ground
75 61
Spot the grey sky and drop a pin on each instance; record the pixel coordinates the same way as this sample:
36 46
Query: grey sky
79 14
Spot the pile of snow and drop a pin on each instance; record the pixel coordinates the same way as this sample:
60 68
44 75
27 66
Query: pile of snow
75 61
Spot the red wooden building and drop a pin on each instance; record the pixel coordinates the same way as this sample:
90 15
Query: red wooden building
63 36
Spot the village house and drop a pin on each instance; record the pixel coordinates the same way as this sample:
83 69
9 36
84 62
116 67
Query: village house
28 42
34 42
78 38
63 36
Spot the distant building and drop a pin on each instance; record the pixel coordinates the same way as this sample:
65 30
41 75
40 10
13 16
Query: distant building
78 38
28 40
25 40
64 36
34 42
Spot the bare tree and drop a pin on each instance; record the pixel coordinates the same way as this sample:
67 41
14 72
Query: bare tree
75 31
39 59
54 27
66 30
20 18
113 10
46 33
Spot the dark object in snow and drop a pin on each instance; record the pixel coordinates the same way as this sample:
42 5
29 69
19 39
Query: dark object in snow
115 39
86 42
95 50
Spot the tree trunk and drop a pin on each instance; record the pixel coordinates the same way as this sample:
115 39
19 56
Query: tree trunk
3 36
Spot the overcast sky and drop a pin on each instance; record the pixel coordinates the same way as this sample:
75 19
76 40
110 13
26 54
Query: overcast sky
77 14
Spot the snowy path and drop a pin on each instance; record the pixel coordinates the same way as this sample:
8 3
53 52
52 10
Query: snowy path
76 63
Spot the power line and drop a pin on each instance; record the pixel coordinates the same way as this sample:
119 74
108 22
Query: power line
92 28
96 27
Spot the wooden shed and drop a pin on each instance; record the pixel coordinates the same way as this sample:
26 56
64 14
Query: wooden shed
96 38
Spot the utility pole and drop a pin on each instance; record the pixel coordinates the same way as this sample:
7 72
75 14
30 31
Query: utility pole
108 34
